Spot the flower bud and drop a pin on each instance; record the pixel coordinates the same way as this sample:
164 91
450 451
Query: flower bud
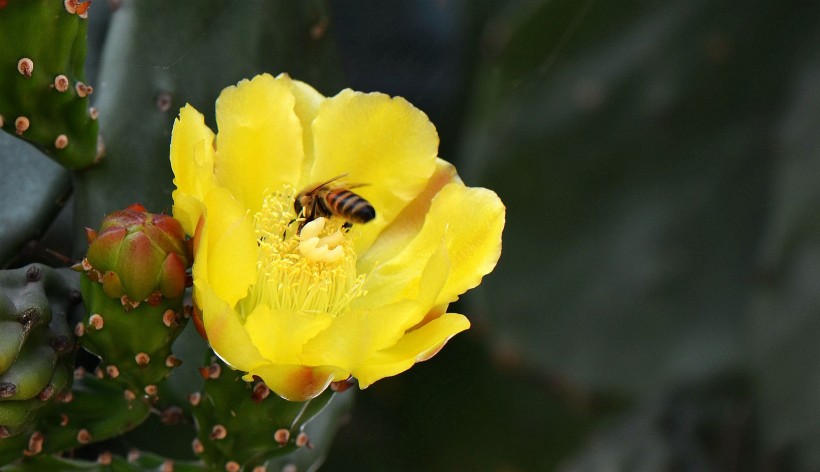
137 254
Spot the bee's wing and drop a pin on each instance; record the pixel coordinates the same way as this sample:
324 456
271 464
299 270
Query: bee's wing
313 188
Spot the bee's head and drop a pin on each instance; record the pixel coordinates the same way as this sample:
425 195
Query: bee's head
298 203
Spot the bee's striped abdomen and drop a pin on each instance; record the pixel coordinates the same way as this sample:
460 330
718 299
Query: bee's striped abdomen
350 206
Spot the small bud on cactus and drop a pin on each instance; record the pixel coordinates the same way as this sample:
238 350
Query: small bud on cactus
137 253
134 281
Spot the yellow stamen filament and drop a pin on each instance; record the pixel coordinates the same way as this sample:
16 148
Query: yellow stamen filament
310 272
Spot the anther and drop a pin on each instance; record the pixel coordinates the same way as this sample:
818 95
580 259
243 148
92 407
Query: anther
129 395
167 466
93 113
25 66
133 455
61 142
79 329
151 390
63 419
232 466
113 371
61 83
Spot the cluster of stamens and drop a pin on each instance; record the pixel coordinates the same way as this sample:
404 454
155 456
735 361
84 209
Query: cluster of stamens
312 269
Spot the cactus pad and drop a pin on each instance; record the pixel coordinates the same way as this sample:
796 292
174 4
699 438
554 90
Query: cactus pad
44 99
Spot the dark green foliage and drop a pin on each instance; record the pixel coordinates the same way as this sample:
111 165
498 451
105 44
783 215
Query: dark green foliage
50 42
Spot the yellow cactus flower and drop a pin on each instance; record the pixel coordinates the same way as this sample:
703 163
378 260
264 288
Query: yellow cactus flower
300 303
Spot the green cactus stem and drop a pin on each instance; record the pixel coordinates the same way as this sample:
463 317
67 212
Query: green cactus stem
45 100
133 282
242 425
37 348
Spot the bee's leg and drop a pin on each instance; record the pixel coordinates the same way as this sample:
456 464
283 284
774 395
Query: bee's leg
347 225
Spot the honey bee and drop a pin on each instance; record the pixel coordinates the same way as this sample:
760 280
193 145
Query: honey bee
326 200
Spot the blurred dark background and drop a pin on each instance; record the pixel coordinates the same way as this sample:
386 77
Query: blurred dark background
656 303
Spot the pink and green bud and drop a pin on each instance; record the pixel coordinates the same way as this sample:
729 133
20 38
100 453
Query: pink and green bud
138 255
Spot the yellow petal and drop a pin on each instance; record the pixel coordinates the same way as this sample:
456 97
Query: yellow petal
226 334
297 383
470 220
415 346
409 222
259 144
192 160
280 335
383 142
227 251
371 326
306 107
473 236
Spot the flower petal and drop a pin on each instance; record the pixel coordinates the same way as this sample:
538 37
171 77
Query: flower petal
280 334
470 220
383 142
409 222
473 236
226 334
192 160
306 108
297 383
415 346
227 251
259 144
355 334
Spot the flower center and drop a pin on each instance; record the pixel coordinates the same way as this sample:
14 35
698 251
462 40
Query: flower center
314 271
